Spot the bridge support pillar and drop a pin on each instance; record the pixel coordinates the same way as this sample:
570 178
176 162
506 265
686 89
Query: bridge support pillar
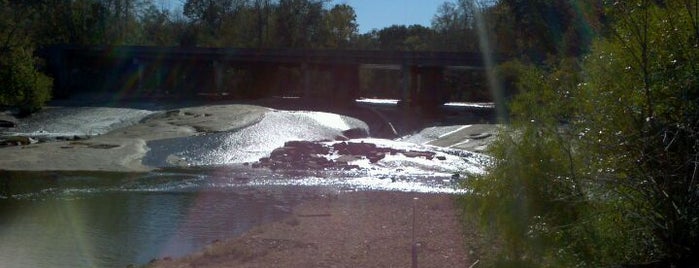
159 79
409 84
139 73
218 76
430 92
61 68
263 77
306 70
346 80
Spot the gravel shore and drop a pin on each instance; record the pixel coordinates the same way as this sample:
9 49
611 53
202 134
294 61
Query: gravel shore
351 229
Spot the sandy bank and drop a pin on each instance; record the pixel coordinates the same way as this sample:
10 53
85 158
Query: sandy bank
355 229
122 149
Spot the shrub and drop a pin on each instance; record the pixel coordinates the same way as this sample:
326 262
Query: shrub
21 85
599 165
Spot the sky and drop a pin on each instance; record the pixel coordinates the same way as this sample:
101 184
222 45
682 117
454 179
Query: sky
377 14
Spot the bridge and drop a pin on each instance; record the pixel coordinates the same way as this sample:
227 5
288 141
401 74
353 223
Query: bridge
319 73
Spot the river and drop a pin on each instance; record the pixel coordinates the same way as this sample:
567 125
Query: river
114 219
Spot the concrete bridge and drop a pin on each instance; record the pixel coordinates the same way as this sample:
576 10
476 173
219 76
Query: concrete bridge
330 74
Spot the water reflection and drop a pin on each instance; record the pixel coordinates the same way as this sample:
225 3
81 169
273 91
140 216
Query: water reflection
100 226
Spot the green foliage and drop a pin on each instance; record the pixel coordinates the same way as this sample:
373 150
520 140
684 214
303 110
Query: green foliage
650 83
599 165
341 26
543 28
536 193
21 84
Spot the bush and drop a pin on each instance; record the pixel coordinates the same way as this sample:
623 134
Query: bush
599 165
21 85
537 194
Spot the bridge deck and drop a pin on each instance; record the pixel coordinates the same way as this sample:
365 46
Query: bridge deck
280 56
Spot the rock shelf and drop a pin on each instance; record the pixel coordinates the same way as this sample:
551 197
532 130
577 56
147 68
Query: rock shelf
310 155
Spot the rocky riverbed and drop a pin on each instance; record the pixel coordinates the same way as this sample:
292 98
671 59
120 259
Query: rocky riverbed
111 139
361 218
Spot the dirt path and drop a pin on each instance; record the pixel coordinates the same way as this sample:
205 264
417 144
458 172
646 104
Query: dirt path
356 229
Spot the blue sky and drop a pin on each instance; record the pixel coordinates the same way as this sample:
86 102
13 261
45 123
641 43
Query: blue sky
377 14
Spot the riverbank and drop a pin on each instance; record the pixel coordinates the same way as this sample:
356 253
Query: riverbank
123 149
349 229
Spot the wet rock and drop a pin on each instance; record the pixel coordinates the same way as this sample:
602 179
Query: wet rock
347 158
102 146
441 157
349 167
353 148
413 154
479 136
307 146
17 141
306 155
173 113
355 133
7 124
376 157
241 180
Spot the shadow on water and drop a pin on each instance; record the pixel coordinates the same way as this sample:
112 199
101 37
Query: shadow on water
100 219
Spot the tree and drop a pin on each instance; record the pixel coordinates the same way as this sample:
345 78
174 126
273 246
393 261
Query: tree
263 13
454 25
299 23
540 29
599 165
21 84
123 20
341 26
157 26
401 37
212 14
648 66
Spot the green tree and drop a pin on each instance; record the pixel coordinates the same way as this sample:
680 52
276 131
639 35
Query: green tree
647 72
540 29
406 38
263 18
341 26
123 18
454 25
599 164
22 85
299 23
157 27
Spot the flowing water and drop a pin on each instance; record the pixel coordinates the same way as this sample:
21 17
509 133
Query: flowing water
100 219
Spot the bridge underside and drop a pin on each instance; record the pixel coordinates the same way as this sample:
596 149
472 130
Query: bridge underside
328 75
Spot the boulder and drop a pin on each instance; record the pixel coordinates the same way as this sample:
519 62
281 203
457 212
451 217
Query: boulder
355 133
